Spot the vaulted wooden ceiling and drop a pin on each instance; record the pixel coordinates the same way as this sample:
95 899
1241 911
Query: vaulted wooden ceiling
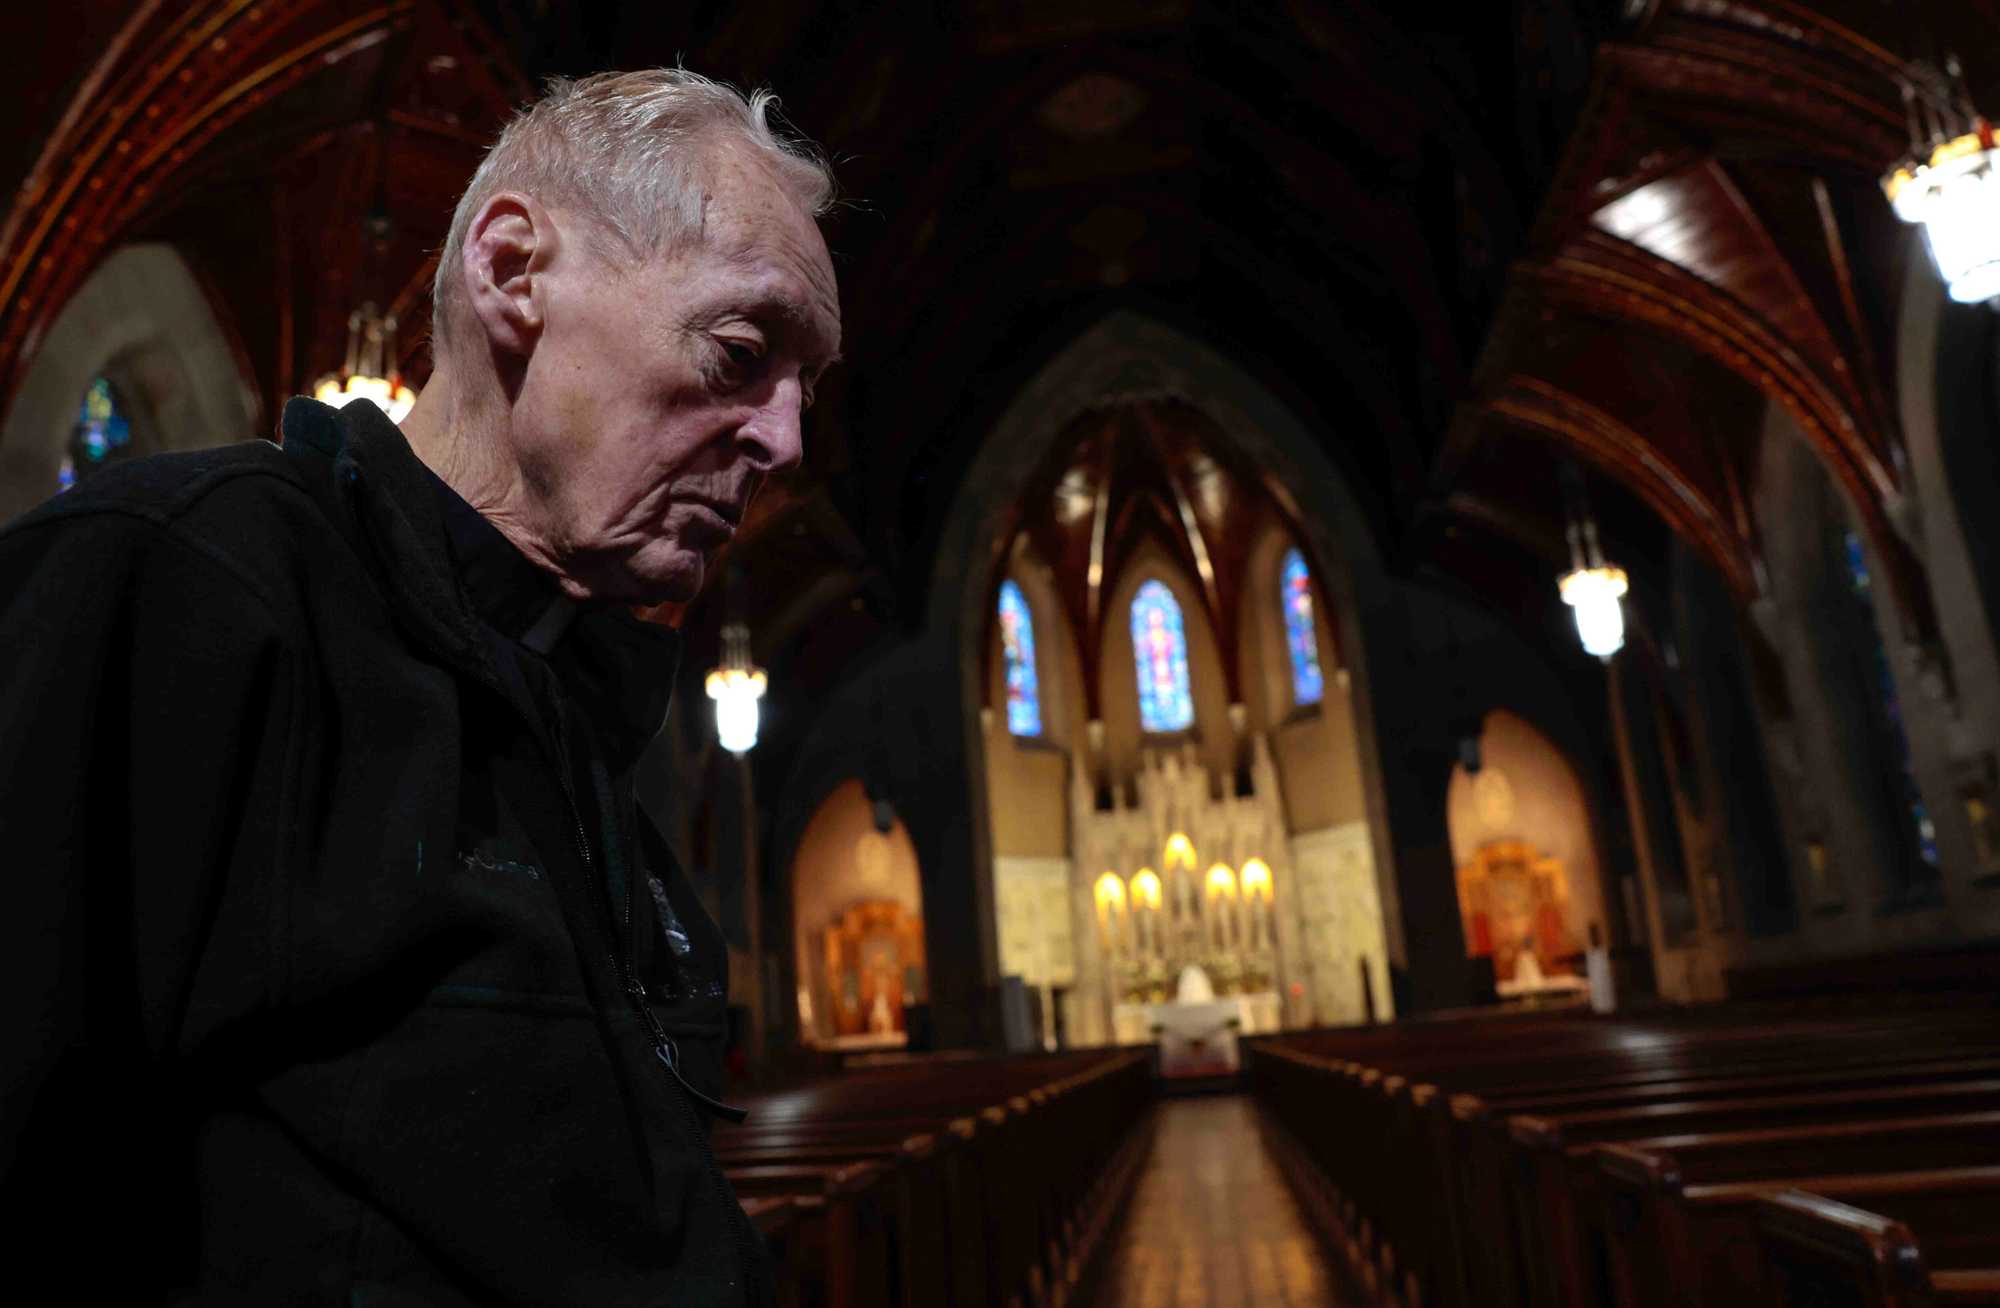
1462 243
1714 239
1150 474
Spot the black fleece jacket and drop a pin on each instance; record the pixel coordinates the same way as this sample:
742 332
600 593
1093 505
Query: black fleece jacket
340 965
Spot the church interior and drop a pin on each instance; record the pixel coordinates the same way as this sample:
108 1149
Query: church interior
1381 683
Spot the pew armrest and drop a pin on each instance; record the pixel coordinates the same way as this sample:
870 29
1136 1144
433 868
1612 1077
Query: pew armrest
1805 1226
1642 1168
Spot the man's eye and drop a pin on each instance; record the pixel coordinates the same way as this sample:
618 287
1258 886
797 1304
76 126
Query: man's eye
742 353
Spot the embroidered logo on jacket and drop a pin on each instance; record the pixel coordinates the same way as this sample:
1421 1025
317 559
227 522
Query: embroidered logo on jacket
479 860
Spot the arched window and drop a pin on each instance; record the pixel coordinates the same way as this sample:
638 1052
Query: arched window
1017 642
1159 645
102 435
1920 834
1301 638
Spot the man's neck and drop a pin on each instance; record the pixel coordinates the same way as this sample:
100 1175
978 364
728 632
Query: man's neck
464 443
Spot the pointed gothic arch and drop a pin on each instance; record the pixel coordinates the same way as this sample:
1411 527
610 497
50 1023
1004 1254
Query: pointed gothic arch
1128 356
143 321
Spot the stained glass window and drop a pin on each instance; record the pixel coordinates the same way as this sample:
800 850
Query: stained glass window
102 435
1301 638
1159 644
1017 642
1892 705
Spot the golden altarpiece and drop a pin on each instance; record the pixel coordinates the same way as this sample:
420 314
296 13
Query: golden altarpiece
1181 871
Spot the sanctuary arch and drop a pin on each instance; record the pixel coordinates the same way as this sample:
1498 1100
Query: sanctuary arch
1156 534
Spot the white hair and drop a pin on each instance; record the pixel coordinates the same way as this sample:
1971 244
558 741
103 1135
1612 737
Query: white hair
634 152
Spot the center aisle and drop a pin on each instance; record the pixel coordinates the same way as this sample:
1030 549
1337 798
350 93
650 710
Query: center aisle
1211 1224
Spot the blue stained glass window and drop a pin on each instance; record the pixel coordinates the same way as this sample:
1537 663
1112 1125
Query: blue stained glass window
1892 705
102 435
1301 638
1017 642
1159 645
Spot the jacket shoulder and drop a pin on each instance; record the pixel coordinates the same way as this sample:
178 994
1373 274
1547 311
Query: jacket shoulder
164 487
190 490
250 506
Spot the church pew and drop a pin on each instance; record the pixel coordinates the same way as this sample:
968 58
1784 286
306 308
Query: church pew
1527 1073
941 1248
1723 1084
776 1218
1475 1160
1001 1205
1546 1161
1682 1211
1388 1194
924 1197
1824 1253
1556 1052
843 1228
1408 1220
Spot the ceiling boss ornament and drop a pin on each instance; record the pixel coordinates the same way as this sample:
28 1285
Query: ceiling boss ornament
1949 183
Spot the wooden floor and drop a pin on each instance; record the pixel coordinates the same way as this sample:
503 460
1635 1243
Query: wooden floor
1211 1224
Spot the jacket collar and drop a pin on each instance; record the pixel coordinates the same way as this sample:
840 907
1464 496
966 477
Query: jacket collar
454 582
507 591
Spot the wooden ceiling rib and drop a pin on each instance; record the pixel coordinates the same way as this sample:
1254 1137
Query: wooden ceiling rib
1720 193
1146 475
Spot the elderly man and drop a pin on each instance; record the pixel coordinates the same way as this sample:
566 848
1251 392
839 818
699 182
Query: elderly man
342 965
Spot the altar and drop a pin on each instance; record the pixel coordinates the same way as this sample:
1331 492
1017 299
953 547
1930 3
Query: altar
1187 867
1136 1024
1197 1030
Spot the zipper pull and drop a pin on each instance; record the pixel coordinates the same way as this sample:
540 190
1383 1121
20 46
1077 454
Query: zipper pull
669 1055
637 989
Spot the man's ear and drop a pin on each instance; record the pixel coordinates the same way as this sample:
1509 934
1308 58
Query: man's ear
507 250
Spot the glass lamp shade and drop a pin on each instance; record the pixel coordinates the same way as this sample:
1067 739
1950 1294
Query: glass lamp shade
387 394
736 692
1955 195
1593 595
1145 888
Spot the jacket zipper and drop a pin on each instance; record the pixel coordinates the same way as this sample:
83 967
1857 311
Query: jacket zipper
664 1048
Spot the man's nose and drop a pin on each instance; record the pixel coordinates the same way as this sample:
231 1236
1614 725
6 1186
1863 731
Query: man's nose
773 437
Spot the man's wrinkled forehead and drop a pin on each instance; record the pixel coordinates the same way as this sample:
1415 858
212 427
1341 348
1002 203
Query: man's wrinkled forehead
756 222
780 290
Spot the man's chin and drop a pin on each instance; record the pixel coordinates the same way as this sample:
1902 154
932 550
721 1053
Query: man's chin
657 575
674 578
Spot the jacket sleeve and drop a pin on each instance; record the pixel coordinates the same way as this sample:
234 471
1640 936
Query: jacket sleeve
140 695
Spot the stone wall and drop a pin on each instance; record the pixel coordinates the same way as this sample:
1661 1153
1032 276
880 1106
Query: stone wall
1340 924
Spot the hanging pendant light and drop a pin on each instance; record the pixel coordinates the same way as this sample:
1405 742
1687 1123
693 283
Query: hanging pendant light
736 686
1950 181
1592 589
370 372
